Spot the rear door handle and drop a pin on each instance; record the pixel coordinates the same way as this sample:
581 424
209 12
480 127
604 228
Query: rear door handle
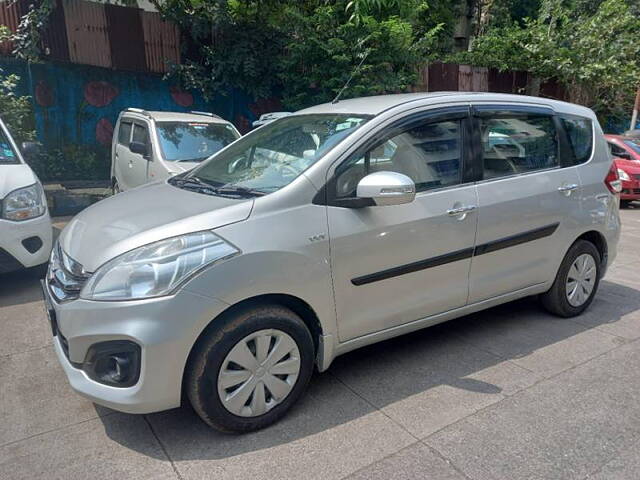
454 212
567 189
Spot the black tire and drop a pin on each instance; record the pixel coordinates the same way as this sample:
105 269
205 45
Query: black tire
209 353
555 300
625 203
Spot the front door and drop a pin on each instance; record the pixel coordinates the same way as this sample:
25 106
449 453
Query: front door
527 198
395 264
133 167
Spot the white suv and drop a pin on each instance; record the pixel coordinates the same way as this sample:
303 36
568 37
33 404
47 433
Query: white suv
151 146
25 226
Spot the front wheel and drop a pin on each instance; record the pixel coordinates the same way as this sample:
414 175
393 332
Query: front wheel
576 282
250 368
625 203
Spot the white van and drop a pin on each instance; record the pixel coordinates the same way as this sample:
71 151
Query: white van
25 225
151 146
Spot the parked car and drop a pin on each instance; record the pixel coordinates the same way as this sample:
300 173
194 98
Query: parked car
324 231
152 146
626 149
25 225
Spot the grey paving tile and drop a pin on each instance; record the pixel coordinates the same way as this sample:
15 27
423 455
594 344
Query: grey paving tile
561 428
623 467
533 339
22 317
614 314
35 396
431 378
417 461
330 434
115 447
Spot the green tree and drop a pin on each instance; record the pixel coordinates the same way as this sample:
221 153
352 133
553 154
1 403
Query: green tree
594 52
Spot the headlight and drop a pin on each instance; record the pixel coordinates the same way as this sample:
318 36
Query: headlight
623 175
24 203
156 269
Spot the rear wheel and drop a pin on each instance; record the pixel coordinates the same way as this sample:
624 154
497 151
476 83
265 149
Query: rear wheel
250 368
576 282
625 203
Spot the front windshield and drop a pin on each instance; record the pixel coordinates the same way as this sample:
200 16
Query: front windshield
193 141
634 144
272 156
7 153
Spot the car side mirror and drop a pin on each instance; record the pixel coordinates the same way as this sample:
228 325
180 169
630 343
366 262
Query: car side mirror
31 150
387 188
139 148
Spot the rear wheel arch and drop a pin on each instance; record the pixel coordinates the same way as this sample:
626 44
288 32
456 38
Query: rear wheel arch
599 241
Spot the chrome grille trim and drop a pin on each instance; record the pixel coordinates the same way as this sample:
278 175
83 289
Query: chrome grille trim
65 277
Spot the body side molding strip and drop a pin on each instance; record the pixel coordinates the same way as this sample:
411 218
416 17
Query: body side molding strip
488 247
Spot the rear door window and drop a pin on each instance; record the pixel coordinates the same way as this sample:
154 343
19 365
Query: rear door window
517 144
580 135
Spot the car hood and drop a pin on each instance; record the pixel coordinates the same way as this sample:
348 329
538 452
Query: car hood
144 215
16 176
629 166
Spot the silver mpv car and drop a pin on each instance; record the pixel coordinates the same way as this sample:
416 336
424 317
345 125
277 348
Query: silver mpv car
333 228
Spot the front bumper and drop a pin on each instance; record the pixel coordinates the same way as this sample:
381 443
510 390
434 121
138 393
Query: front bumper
12 236
165 328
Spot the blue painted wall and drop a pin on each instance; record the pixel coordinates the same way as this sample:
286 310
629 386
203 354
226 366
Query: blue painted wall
80 104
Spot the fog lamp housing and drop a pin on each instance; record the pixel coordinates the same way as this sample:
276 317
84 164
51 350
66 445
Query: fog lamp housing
115 363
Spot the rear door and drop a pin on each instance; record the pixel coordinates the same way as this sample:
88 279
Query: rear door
528 196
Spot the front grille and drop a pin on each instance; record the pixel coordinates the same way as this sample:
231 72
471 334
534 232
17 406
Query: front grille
65 277
636 176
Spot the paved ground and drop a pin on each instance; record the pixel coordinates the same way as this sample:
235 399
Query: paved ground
510 393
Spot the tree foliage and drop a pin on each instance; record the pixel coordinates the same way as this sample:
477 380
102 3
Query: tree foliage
592 49
302 51
16 110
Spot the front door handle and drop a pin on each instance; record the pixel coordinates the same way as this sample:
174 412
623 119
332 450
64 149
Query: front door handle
567 189
454 212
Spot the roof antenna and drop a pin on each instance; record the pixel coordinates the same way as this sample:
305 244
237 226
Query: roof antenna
337 99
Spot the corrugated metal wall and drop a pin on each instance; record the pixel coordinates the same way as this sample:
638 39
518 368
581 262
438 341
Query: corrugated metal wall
102 35
126 38
86 26
161 42
438 77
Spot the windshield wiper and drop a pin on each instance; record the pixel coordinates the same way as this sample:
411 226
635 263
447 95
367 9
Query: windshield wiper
202 186
236 190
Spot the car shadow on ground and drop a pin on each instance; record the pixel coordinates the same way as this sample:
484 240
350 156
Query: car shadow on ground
457 354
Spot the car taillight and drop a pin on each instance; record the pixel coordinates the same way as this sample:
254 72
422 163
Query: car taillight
612 181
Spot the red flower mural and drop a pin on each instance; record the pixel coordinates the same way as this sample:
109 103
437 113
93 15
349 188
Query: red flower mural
181 97
44 94
100 94
104 131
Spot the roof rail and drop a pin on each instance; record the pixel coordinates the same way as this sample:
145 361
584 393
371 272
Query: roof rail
137 110
208 114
